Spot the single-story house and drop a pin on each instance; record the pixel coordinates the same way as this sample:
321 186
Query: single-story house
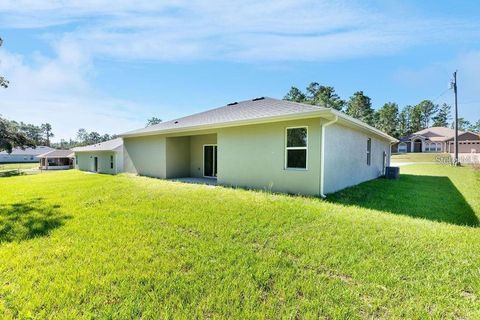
56 160
438 139
263 143
104 157
23 155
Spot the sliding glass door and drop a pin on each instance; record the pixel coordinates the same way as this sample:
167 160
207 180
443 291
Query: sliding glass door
210 161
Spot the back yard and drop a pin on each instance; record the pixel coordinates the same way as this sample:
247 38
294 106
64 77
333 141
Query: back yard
17 166
421 157
84 245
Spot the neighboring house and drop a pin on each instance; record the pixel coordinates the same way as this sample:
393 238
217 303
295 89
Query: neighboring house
27 155
262 143
56 160
105 157
438 139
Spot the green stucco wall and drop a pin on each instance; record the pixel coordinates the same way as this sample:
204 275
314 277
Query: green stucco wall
346 157
254 157
85 161
145 156
177 157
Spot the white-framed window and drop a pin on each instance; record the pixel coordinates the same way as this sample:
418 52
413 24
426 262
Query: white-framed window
296 148
369 151
439 147
402 147
427 146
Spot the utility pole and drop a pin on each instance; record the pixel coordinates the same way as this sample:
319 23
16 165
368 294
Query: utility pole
456 162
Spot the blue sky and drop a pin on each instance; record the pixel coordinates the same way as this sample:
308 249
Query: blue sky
109 65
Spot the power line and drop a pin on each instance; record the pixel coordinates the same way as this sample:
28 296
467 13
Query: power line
441 94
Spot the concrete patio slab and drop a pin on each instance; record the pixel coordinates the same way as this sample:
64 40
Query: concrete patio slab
194 180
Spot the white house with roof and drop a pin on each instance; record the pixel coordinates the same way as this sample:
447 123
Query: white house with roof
263 143
23 155
104 157
56 160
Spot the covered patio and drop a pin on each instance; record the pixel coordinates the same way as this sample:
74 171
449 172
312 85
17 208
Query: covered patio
56 160
192 158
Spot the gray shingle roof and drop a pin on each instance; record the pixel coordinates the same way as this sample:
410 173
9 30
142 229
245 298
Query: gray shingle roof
244 110
30 151
110 145
57 154
257 110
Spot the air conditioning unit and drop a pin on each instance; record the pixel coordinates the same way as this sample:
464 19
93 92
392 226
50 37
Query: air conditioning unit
392 172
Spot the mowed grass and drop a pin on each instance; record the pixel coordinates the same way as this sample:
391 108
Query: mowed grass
76 245
433 192
421 157
17 166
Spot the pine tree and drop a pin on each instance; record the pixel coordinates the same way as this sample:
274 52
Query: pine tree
427 110
403 125
360 107
416 119
387 118
295 95
443 116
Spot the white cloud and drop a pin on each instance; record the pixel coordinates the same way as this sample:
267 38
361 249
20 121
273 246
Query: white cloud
227 30
58 90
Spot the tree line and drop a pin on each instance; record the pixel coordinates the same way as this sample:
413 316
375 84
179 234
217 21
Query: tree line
84 138
13 134
389 118
19 134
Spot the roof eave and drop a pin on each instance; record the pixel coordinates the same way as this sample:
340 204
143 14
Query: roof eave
293 116
363 125
94 150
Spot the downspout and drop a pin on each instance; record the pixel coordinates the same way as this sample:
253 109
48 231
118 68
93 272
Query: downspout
322 156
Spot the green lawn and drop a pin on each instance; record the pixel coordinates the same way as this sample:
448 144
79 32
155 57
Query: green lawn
421 157
16 166
76 245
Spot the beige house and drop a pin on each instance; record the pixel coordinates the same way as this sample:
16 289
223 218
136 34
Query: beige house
105 157
262 143
438 139
56 160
